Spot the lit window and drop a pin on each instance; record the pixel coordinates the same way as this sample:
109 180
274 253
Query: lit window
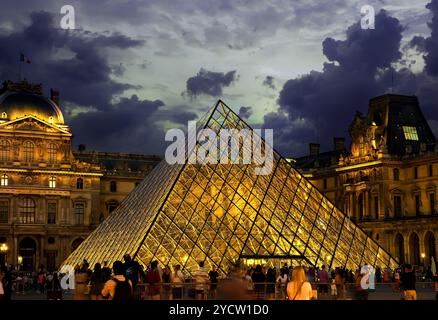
410 133
27 210
4 180
52 182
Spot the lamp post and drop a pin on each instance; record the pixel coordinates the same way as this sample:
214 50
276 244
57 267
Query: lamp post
423 255
3 251
20 262
3 248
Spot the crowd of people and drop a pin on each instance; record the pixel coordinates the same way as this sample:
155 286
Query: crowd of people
129 280
12 280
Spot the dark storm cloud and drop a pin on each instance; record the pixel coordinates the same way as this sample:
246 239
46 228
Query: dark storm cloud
321 105
326 101
431 43
209 82
245 112
269 82
74 62
178 114
418 42
120 127
287 133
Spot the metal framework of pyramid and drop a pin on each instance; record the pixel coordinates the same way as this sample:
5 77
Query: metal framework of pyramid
186 213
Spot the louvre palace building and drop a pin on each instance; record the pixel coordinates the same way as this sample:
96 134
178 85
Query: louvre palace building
387 180
51 196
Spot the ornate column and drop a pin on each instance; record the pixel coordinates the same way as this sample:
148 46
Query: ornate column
407 249
15 251
41 256
366 203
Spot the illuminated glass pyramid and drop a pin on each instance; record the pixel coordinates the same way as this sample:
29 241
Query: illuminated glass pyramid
186 213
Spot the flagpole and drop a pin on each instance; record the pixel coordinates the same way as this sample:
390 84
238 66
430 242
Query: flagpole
19 67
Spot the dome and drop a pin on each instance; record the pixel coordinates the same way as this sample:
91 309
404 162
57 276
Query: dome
18 101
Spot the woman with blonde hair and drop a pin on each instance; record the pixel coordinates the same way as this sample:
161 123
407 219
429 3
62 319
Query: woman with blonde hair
299 288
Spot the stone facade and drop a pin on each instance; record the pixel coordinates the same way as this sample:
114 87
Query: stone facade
52 197
386 182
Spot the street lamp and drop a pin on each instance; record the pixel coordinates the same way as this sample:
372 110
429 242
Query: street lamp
423 255
4 248
3 251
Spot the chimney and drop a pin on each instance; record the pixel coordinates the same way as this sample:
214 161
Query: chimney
54 96
314 149
339 143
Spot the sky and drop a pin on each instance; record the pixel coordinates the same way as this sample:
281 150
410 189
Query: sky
132 69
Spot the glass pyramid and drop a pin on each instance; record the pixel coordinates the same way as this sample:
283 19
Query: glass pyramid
219 213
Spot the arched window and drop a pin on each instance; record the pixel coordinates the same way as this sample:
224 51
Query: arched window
26 209
80 183
430 247
27 250
5 150
52 150
4 180
400 248
396 174
29 151
52 182
75 244
414 249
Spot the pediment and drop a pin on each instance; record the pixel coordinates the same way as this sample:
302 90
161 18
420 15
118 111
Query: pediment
31 123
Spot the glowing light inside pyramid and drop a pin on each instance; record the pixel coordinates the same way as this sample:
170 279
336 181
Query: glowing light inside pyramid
183 214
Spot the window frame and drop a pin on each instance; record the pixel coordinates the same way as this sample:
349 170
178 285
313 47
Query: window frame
410 133
396 174
80 184
113 186
398 214
5 150
4 211
52 151
27 210
28 151
4 180
79 208
51 216
52 182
